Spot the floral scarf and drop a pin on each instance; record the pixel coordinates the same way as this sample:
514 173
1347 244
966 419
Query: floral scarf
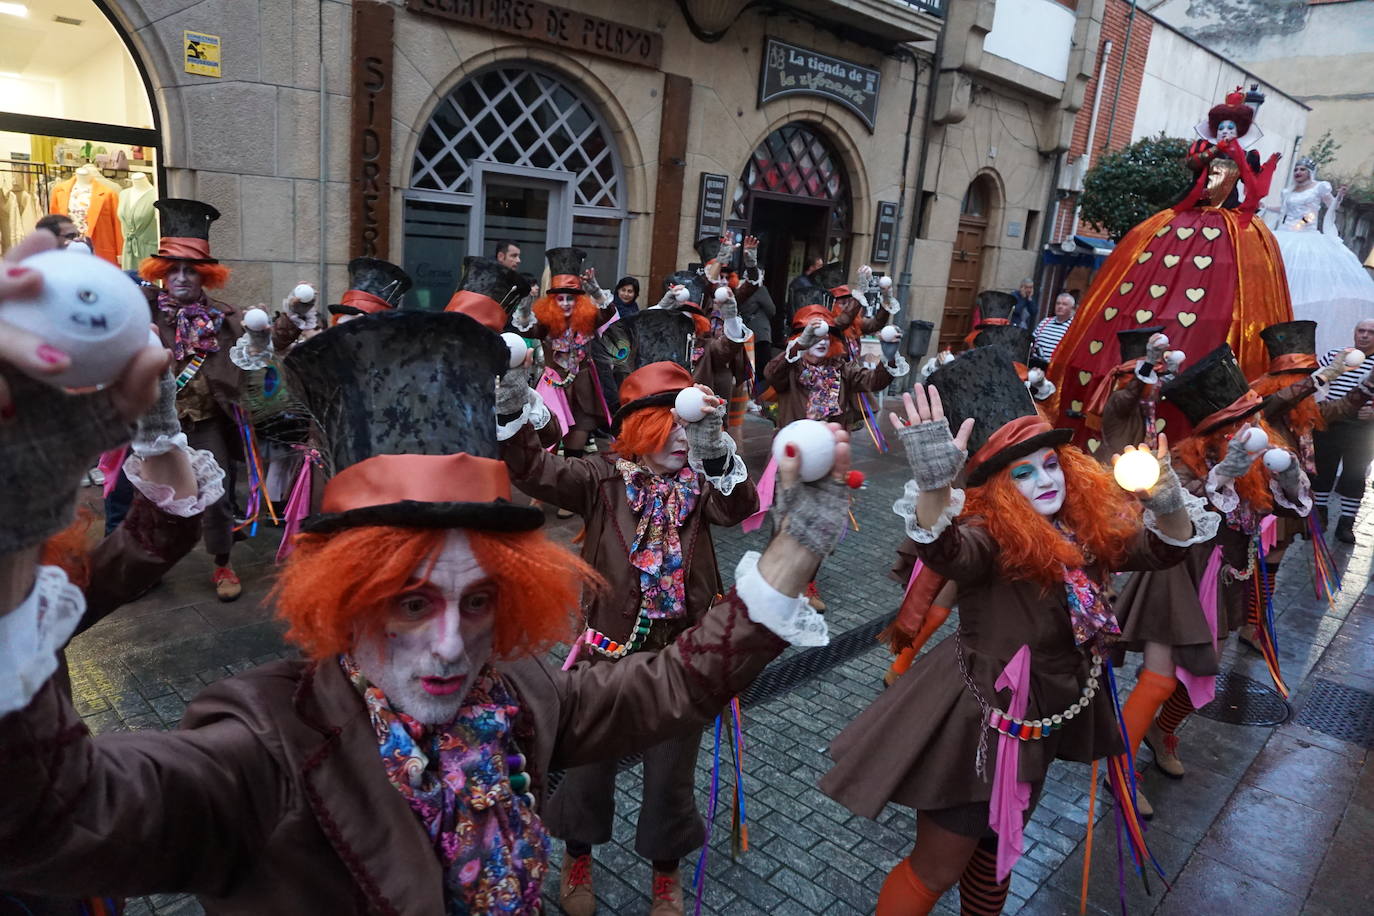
662 505
822 384
456 778
569 351
1090 614
197 325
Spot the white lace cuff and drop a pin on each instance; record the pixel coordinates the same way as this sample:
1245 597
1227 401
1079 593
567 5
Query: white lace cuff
891 305
523 324
1044 391
1205 522
898 367
789 617
735 330
1301 501
859 296
735 471
159 446
793 353
307 322
209 483
32 635
240 356
1146 373
905 507
1221 492
535 412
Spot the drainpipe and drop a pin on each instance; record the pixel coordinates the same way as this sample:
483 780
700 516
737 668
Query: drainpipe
1092 122
906 159
904 278
321 234
1120 74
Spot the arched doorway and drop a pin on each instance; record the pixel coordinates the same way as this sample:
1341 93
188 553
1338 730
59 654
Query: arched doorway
794 195
74 99
966 263
512 153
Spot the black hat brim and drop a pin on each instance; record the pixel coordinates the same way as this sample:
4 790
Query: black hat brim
1052 438
345 310
662 399
498 515
167 257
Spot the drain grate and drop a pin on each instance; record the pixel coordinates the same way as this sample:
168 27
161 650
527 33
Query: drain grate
1242 701
1340 711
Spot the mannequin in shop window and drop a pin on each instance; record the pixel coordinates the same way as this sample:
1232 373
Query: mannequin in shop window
138 220
94 207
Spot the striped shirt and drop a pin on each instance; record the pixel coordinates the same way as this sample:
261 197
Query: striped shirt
1343 383
1047 336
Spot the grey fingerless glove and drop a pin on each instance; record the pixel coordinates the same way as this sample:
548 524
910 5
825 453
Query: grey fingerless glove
815 514
1290 478
729 309
1166 495
1154 351
669 301
1328 374
930 450
523 316
53 439
512 392
705 437
1237 460
808 338
159 427
751 257
592 288
890 349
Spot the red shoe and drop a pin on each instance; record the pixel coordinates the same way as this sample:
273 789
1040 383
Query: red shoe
667 894
575 893
226 583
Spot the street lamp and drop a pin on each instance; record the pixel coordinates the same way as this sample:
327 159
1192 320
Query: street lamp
1254 98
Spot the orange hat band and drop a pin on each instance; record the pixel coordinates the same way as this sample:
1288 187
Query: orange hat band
385 479
1246 404
484 309
1292 362
564 282
366 302
189 249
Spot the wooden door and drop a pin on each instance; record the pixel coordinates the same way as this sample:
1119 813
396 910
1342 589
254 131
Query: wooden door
965 275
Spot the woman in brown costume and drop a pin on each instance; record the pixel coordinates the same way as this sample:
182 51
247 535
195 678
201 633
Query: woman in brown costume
1030 545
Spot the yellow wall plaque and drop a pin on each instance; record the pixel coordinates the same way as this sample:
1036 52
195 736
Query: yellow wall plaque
202 53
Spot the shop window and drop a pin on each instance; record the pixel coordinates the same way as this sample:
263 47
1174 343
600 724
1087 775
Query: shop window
797 161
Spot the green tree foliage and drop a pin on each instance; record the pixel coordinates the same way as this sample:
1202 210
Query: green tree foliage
1132 184
1323 152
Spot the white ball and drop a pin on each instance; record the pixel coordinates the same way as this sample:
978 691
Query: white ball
304 292
1164 340
723 294
1256 440
1035 376
885 282
256 320
1136 470
681 294
78 248
1175 358
518 348
1278 460
1354 358
890 334
690 404
814 441
88 309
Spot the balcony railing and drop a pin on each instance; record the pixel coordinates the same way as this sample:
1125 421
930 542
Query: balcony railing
933 7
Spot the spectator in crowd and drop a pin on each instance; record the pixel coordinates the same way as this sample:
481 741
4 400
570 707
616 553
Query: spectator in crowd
1345 448
1052 330
800 284
60 226
1026 309
759 312
508 254
627 297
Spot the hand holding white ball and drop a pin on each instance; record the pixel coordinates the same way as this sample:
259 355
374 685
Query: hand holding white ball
815 445
1174 358
680 293
304 292
690 404
723 294
1136 470
1354 359
1278 460
256 320
890 334
1035 376
1256 440
885 283
517 347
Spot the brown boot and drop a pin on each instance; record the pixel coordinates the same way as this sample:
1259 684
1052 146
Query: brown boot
667 894
1165 749
1142 804
575 893
226 583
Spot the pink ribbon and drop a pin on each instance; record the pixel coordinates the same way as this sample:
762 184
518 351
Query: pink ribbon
110 464
765 488
575 650
915 571
1203 688
1269 532
556 400
1010 797
297 505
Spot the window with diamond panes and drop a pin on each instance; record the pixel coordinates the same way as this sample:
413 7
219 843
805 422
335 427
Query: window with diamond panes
523 118
796 160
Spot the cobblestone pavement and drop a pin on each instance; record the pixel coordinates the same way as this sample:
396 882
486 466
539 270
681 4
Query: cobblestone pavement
1268 819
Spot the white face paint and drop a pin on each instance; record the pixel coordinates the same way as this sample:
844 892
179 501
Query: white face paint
435 638
1041 480
1226 130
820 349
673 456
565 302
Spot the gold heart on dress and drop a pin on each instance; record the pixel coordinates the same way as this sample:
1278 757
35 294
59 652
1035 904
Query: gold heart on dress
1159 426
1076 406
1184 232
1084 378
1126 288
1194 293
1171 259
1095 347
1093 445
1143 315
1157 290
1210 234
1160 233
1202 261
1187 318
1110 312
1144 256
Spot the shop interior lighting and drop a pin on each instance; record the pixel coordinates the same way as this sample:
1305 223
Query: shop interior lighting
14 9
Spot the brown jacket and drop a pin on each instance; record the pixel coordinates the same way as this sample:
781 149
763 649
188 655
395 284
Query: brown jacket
594 489
854 378
272 799
226 379
722 365
1123 423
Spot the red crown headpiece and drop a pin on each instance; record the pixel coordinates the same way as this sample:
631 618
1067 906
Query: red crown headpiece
1233 109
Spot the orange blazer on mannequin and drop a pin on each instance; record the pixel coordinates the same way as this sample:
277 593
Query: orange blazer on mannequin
102 219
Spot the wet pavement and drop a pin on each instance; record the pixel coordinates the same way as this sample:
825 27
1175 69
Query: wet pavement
1269 819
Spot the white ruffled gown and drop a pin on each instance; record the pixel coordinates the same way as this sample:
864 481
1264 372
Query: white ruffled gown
1326 280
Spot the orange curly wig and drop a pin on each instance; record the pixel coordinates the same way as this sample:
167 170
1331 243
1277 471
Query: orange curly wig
155 270
1102 516
1301 419
1200 453
337 585
550 315
70 549
644 432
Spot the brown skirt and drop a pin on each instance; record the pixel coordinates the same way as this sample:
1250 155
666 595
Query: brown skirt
1162 606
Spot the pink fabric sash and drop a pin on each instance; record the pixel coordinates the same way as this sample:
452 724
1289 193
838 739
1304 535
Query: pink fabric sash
1202 689
1269 533
1010 797
556 400
297 505
915 571
766 484
110 464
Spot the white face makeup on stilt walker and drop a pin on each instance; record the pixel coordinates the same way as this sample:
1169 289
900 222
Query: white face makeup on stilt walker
1040 478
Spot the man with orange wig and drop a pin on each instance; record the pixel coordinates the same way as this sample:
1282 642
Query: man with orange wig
201 332
648 514
399 767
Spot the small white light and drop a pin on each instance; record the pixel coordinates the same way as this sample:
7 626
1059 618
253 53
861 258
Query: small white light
1136 470
15 9
304 292
815 443
1354 358
256 320
518 348
889 334
1278 460
1256 440
690 404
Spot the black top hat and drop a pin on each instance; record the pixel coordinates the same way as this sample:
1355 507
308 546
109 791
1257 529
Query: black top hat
830 276
1290 337
565 269
707 247
377 278
662 335
698 290
408 384
1011 340
1212 391
993 303
183 219
1133 341
982 383
494 280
